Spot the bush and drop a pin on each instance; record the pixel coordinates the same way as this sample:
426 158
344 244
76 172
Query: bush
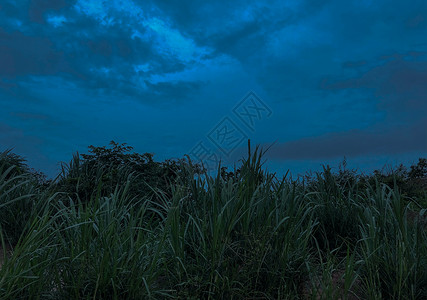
105 169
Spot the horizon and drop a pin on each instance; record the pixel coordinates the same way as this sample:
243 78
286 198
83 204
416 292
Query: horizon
320 81
341 165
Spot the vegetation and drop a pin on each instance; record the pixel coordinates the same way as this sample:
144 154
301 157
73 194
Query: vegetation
118 225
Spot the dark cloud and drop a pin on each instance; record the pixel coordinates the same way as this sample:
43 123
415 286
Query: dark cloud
354 64
38 8
11 9
241 43
235 28
29 55
4 84
408 138
102 60
103 48
29 116
171 92
397 84
351 74
418 19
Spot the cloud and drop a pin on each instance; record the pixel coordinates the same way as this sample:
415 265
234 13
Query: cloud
168 40
338 75
38 8
355 143
99 46
397 83
17 60
29 116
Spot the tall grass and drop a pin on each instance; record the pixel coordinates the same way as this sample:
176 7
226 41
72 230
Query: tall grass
246 236
393 250
18 192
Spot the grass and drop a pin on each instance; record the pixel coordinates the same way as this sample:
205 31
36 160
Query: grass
248 236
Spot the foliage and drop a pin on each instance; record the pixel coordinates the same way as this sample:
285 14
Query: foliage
412 183
104 169
19 186
97 233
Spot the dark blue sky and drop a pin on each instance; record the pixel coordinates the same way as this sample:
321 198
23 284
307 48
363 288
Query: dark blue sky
322 79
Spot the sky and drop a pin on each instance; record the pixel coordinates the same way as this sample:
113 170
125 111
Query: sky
313 81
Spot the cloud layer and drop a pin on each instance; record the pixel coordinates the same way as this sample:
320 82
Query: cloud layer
342 78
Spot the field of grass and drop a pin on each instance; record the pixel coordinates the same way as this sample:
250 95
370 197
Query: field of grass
103 231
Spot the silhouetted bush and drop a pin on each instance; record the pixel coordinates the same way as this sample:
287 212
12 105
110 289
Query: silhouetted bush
412 183
104 170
